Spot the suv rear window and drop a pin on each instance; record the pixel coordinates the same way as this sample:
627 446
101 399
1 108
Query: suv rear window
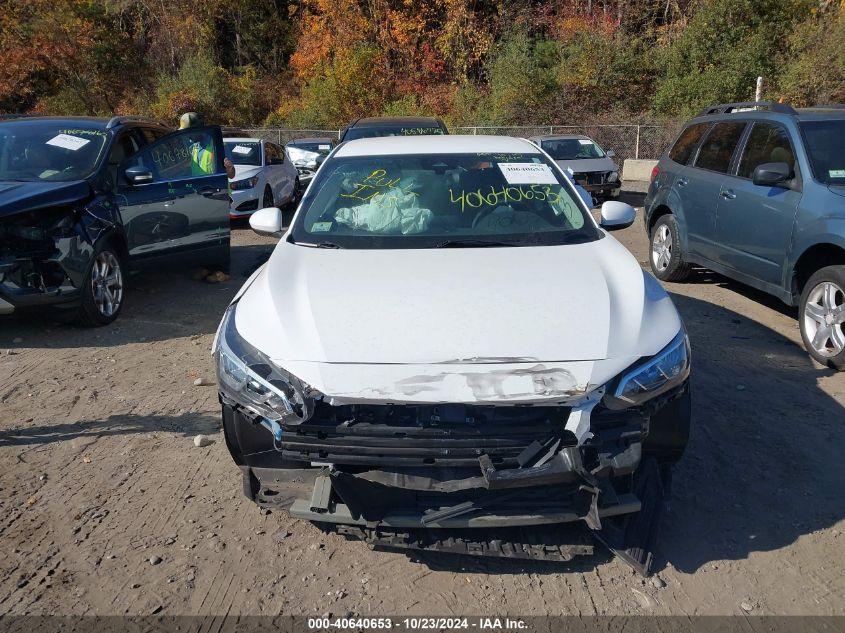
687 142
718 148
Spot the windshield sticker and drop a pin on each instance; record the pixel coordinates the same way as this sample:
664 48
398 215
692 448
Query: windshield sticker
584 141
321 227
242 149
493 198
836 173
527 174
66 141
324 147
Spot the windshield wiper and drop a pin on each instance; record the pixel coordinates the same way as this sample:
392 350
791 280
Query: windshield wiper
319 244
472 243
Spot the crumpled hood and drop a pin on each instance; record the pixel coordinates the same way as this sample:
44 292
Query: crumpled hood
411 323
16 197
246 171
588 164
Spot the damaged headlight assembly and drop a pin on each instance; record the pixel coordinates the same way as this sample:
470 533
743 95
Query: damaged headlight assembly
656 375
253 381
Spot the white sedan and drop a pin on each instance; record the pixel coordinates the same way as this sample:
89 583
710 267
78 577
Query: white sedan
445 338
264 176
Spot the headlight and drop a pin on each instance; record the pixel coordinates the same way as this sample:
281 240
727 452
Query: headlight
251 379
244 183
613 176
668 368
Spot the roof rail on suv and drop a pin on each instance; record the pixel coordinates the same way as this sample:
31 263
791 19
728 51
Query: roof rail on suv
725 108
118 120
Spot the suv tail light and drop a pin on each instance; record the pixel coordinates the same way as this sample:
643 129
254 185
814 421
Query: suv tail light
655 172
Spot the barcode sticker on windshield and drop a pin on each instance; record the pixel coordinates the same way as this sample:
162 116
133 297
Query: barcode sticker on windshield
67 141
527 174
241 149
836 173
324 147
584 141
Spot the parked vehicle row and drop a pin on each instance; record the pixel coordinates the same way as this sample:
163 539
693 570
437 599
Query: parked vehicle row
756 192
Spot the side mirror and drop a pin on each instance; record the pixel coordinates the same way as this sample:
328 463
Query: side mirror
771 174
138 175
267 221
617 215
610 153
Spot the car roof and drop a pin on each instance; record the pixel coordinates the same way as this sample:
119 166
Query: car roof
560 137
375 121
97 122
241 139
312 139
435 144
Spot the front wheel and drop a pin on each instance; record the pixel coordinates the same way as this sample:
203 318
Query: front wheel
267 199
822 316
102 291
666 256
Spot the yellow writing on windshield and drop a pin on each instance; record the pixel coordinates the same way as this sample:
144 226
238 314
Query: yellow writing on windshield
478 198
376 184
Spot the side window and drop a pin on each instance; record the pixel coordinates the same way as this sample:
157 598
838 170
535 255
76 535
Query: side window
687 142
268 154
767 143
124 148
718 148
182 154
152 135
280 153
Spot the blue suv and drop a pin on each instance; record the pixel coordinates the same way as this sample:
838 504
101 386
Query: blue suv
83 201
756 192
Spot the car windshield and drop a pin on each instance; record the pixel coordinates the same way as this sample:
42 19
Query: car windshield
825 140
243 152
441 200
371 131
49 150
572 148
317 147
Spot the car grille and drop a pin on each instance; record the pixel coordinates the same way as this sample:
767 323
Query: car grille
404 435
592 177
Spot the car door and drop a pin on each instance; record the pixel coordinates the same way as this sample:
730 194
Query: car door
700 184
754 223
273 171
181 202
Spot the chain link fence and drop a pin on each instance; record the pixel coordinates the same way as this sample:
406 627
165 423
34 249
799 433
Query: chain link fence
627 141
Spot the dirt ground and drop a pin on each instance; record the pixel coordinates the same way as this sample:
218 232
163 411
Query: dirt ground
107 507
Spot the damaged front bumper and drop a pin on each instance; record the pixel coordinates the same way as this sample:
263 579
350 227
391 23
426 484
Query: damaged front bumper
42 260
433 476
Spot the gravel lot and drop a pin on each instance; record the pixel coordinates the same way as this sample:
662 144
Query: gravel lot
107 507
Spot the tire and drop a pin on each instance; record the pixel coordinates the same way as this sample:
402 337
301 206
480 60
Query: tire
102 290
821 317
665 254
267 198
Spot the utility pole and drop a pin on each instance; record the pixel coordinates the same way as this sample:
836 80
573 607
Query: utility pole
758 94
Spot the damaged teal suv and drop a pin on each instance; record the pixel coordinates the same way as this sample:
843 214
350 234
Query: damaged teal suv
756 192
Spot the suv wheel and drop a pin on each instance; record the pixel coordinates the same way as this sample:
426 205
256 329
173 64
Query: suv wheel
666 256
822 316
102 292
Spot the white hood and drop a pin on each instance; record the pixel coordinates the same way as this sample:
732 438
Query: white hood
458 325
